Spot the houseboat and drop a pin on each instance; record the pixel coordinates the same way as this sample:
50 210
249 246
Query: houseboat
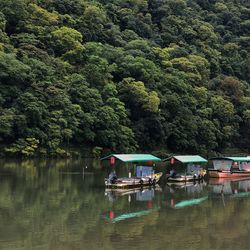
192 168
229 167
145 175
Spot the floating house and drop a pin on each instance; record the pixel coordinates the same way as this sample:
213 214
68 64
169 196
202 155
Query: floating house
193 169
229 167
145 175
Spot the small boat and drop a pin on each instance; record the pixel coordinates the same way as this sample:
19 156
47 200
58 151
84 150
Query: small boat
193 171
230 167
183 178
125 182
145 175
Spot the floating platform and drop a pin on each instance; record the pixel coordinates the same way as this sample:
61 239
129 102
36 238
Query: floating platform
184 178
133 182
227 173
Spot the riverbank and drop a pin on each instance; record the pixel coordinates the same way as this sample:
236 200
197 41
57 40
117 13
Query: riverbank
87 151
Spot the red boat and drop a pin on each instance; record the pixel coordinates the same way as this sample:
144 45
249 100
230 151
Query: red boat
230 167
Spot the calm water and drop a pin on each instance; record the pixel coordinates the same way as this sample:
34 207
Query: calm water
55 205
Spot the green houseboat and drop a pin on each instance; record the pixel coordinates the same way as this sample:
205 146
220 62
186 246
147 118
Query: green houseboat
145 175
192 171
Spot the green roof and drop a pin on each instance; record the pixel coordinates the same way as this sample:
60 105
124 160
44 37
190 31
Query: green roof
133 157
233 158
188 158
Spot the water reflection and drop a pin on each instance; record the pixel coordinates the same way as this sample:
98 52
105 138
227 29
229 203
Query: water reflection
124 216
144 195
232 188
139 194
194 194
64 205
189 187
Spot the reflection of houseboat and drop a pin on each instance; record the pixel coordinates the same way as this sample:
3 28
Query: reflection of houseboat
114 218
145 175
229 167
141 194
191 189
193 169
190 202
140 203
230 188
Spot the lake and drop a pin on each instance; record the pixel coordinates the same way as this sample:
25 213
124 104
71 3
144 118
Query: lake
63 204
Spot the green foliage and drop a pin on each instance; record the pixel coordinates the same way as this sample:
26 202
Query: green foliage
97 151
6 123
25 147
65 40
12 70
40 16
124 75
136 96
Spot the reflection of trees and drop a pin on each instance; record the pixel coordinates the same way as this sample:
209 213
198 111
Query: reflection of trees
43 207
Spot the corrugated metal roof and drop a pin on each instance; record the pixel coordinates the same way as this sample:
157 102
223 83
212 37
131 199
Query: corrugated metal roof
232 158
188 158
133 157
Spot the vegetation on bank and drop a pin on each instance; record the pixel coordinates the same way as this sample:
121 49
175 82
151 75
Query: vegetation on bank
124 75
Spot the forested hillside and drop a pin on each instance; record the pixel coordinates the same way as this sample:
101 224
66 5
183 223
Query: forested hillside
124 75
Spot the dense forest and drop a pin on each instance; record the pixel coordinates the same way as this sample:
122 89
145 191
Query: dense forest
124 75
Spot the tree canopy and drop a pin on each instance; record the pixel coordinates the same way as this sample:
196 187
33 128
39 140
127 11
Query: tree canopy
124 75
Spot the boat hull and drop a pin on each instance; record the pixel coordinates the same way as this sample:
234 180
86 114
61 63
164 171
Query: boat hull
134 182
228 174
183 178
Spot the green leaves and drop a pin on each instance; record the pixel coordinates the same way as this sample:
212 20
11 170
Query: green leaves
67 43
25 147
6 122
41 16
223 109
91 23
12 70
135 95
124 74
